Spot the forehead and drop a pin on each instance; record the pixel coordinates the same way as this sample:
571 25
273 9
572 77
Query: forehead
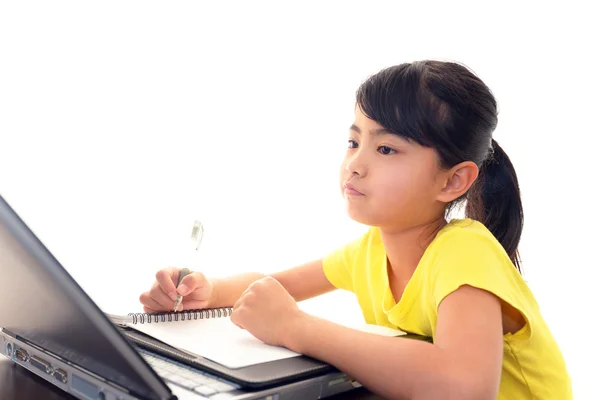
363 121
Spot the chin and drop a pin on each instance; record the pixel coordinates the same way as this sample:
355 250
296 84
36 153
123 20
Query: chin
360 216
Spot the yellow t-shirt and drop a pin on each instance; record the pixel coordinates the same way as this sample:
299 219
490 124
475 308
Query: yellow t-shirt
464 252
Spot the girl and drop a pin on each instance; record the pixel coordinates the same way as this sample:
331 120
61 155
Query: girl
421 143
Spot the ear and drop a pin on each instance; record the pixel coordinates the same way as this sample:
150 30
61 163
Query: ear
457 180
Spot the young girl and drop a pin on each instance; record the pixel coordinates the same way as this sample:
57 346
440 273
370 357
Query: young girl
420 144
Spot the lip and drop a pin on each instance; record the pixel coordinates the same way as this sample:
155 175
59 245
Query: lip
349 189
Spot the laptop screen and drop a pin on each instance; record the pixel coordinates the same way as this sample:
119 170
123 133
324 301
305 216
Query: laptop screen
42 304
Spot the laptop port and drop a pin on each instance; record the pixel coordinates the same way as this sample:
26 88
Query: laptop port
8 350
21 355
60 375
41 364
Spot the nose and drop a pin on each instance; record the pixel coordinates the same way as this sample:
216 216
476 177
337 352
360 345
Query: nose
356 165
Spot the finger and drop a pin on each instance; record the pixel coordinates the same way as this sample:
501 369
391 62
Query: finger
149 302
142 297
244 293
237 304
235 319
201 294
250 287
272 281
160 297
240 300
145 299
166 279
191 282
150 310
194 304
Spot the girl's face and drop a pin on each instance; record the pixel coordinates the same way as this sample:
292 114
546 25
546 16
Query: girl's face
388 181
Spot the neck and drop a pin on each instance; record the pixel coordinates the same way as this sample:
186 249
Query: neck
405 247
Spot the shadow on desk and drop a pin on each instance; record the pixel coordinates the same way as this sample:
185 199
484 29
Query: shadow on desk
18 383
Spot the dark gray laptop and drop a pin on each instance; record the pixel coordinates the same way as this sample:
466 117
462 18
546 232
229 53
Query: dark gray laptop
51 327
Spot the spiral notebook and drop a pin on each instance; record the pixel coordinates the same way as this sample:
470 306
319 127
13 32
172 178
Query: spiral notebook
207 333
210 334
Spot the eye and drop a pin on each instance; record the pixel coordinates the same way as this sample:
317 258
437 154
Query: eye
352 144
385 150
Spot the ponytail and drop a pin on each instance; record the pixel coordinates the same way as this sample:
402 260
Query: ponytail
495 200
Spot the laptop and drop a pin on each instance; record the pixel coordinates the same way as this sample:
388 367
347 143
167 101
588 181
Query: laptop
51 327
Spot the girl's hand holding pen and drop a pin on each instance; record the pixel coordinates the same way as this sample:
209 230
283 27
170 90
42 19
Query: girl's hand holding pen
178 289
196 289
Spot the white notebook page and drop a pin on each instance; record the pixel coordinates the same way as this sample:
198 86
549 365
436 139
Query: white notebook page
217 339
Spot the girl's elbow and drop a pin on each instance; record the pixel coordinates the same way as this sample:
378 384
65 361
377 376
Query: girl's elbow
473 386
459 387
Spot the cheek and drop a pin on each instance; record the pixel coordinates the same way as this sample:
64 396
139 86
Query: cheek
403 189
343 173
394 192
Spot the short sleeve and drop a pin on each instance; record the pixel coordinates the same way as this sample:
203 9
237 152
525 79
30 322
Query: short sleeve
477 260
338 265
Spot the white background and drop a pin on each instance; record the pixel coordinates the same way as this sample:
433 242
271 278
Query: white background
123 122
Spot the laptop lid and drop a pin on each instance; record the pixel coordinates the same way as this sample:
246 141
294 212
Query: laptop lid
42 304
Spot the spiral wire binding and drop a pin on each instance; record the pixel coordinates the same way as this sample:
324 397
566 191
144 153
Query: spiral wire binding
141 318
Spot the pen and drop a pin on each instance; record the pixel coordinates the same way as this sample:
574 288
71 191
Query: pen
197 235
182 272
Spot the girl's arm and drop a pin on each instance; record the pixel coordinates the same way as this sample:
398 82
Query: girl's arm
305 281
464 363
302 283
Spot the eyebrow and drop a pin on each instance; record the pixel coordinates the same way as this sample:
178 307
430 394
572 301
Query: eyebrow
375 132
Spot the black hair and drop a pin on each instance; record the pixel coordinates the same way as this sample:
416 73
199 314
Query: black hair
445 106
